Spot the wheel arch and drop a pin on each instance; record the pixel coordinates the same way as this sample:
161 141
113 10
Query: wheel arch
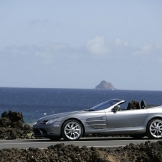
147 126
76 120
157 117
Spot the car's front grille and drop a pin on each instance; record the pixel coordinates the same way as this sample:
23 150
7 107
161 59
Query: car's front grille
44 131
39 132
36 131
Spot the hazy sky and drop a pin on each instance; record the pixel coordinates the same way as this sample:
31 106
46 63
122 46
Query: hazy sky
78 43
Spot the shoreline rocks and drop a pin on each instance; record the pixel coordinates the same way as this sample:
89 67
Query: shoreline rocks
12 126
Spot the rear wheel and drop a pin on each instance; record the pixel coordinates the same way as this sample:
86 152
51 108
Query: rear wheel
72 130
154 129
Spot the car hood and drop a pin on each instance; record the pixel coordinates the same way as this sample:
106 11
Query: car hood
53 116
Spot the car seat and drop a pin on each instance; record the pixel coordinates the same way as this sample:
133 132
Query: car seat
128 107
138 106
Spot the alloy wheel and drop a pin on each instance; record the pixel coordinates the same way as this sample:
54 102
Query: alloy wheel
72 130
155 128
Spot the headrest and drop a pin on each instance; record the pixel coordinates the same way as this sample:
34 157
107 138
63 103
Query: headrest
143 104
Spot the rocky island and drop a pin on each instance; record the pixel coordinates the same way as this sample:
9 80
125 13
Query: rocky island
104 86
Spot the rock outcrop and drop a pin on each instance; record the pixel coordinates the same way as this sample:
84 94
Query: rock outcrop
105 86
12 126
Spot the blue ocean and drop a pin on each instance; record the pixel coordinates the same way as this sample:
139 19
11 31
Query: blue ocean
37 102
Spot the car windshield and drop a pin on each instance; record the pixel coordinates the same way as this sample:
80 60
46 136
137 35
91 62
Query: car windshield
104 105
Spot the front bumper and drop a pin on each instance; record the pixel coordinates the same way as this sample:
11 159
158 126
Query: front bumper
43 130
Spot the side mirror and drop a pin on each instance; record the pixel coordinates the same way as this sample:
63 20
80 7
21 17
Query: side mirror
116 108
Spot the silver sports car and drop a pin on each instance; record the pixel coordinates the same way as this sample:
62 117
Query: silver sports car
108 118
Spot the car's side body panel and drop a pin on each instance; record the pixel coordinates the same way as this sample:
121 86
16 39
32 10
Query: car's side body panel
126 118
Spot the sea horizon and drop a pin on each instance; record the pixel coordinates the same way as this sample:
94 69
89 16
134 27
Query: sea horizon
82 89
38 102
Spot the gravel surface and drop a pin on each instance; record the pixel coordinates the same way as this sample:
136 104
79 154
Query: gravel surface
148 152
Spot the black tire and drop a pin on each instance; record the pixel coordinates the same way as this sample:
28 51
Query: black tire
154 129
72 130
55 138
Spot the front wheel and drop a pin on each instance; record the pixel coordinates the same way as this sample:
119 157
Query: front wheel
154 129
72 130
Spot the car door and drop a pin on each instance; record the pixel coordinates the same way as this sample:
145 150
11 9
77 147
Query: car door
125 118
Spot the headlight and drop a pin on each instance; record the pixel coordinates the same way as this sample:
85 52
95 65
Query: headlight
37 122
51 121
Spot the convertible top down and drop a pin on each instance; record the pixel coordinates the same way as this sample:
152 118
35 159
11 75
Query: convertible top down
108 118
